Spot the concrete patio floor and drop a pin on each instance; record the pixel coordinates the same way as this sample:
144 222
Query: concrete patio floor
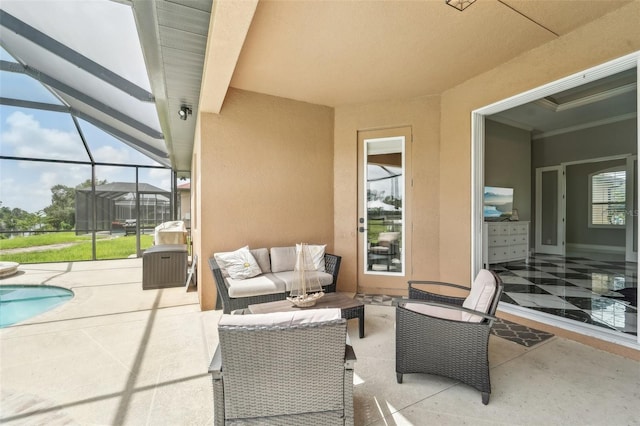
116 354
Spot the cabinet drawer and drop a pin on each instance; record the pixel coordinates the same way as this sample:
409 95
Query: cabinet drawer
498 229
498 254
518 239
518 251
519 228
498 241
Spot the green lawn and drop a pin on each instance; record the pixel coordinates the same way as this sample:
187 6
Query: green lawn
106 247
43 240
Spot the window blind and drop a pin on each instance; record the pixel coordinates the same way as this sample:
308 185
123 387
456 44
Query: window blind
608 198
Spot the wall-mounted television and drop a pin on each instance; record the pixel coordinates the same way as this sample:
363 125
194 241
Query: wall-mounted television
498 203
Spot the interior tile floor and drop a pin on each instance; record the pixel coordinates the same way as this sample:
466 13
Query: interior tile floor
119 355
599 292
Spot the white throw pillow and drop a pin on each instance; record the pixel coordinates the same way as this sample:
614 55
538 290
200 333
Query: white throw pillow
239 264
317 257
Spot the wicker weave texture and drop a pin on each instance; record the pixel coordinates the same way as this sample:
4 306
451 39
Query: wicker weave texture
454 349
447 348
284 375
230 304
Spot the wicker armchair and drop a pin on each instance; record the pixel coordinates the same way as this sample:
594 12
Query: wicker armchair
283 374
436 334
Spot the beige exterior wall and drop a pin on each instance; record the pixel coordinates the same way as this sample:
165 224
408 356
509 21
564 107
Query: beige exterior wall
423 115
271 171
610 37
196 214
266 178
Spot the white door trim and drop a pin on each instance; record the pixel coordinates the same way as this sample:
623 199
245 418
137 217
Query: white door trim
624 63
559 247
630 254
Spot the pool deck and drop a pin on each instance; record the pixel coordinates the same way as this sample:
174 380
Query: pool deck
117 354
114 354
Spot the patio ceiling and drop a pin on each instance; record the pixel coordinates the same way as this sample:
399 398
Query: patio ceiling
346 52
324 52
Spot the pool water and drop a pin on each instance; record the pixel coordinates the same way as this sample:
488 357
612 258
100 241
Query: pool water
20 302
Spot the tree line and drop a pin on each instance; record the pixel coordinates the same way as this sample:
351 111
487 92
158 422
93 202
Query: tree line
60 215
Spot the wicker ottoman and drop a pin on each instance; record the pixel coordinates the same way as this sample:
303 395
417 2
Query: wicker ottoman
164 266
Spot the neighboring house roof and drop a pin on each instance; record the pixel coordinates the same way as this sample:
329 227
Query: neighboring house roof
125 188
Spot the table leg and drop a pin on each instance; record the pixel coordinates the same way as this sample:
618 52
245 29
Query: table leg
361 322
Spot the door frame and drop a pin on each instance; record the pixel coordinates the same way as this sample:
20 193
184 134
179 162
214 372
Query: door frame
615 66
559 248
630 254
383 281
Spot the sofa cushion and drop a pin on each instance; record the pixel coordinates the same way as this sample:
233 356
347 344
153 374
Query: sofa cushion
283 319
256 286
262 257
481 295
288 277
316 252
239 264
283 258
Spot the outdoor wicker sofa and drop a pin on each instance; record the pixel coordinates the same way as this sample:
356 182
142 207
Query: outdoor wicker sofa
441 335
285 368
274 281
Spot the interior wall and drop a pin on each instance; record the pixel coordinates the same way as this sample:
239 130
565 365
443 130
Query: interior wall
507 163
619 138
577 190
615 34
423 115
266 168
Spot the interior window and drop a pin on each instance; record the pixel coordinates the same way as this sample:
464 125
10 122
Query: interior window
607 192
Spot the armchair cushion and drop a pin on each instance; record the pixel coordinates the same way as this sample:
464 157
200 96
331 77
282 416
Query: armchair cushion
479 299
435 311
283 319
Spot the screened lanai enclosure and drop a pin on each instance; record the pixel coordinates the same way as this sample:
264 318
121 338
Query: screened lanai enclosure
117 206
91 140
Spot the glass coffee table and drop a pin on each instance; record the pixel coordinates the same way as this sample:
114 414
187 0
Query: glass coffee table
349 307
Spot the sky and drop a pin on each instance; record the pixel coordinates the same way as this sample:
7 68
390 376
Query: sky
50 135
40 134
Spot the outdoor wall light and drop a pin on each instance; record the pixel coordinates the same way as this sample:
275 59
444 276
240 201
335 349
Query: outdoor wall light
184 112
460 4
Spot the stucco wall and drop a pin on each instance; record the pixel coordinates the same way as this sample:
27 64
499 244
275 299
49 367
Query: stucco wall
266 168
610 37
424 117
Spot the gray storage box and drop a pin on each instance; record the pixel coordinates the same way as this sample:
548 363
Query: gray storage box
164 266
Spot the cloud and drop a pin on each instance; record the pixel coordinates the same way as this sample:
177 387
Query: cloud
158 177
109 154
30 140
27 184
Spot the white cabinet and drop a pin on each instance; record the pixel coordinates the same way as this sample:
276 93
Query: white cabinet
505 242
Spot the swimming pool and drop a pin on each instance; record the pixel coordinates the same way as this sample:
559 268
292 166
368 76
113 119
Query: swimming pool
20 302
